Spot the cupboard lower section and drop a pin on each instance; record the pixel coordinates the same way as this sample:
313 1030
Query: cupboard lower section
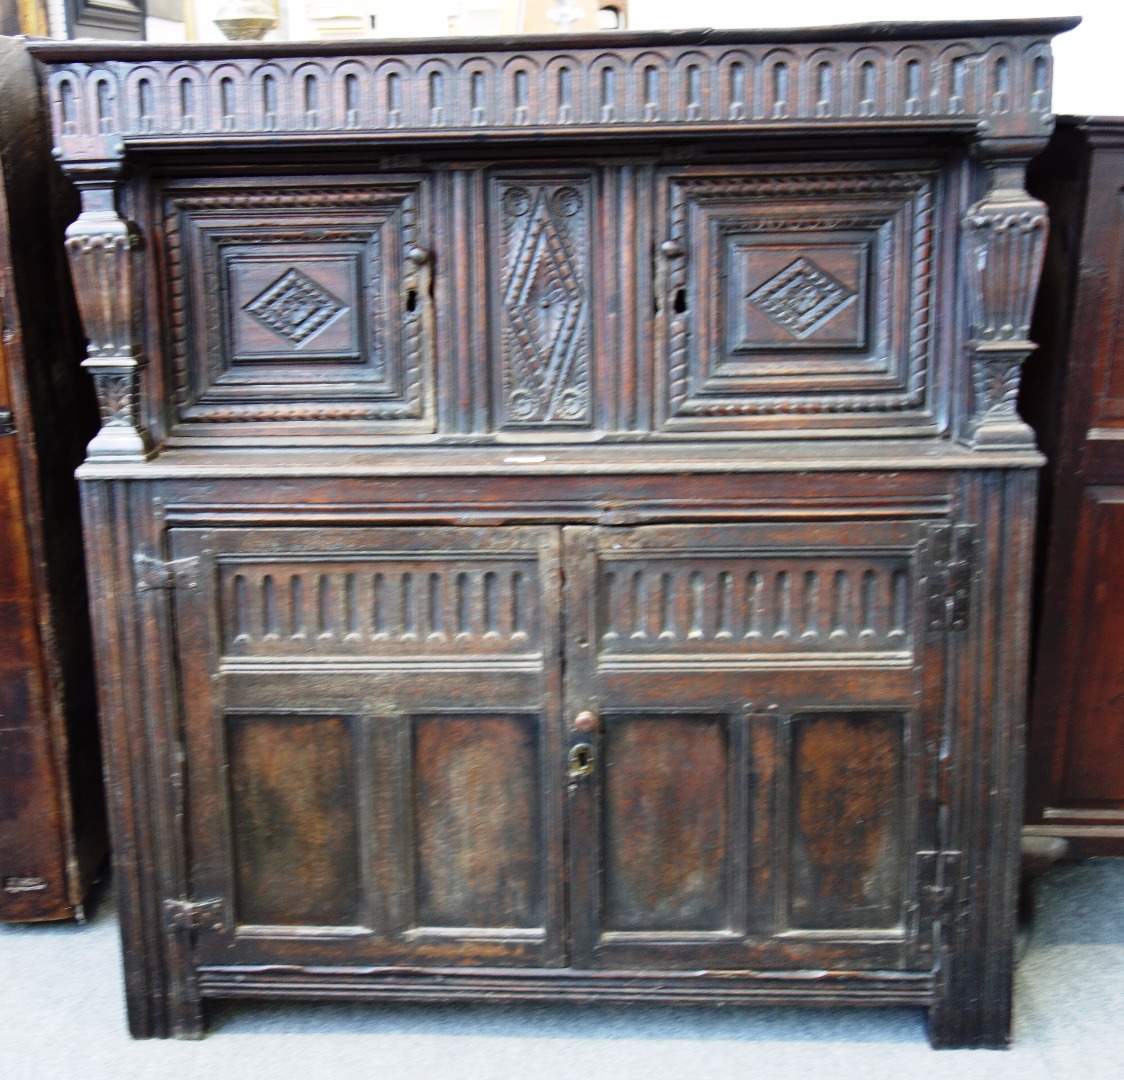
763 759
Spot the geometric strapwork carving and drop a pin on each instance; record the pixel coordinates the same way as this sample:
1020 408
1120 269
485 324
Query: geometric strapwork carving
742 606
802 297
295 307
544 297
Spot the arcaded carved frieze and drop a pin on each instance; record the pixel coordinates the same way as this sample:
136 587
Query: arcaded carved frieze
996 76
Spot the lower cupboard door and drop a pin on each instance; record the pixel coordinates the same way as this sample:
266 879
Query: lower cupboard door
372 731
753 720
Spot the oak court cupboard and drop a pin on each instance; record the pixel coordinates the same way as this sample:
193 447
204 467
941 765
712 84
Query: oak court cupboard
560 524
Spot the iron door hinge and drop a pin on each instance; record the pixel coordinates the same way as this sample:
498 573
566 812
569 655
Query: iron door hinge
939 875
195 915
7 422
152 573
952 566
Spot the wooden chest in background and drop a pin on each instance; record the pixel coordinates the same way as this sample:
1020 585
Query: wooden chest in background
52 824
1074 395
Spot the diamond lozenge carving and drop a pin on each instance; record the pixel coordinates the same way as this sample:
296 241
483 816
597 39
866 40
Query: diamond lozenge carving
295 307
802 297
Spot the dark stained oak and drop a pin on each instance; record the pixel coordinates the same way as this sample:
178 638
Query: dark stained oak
1075 394
560 521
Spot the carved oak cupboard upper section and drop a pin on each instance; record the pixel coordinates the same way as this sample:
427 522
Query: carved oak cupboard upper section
584 238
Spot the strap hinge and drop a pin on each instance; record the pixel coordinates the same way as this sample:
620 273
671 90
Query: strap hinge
152 573
194 915
952 566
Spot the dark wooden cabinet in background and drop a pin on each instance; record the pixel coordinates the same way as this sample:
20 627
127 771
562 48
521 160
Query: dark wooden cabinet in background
560 525
52 822
1075 395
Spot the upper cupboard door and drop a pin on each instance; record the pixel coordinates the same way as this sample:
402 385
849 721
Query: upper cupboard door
297 304
372 721
796 299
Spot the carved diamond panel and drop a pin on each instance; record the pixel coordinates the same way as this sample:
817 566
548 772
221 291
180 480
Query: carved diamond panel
802 297
544 302
797 300
295 307
293 302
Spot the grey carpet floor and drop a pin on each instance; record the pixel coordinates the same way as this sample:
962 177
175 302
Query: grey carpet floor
61 1015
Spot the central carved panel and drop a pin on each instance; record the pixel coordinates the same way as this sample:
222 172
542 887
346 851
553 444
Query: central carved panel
544 301
802 297
295 307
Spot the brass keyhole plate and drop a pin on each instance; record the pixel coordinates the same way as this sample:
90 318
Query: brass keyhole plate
581 760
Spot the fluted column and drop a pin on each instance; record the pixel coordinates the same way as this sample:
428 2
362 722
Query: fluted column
1004 237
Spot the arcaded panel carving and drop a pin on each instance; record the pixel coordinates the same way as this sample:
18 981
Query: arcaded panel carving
796 295
543 296
678 86
380 607
300 304
732 605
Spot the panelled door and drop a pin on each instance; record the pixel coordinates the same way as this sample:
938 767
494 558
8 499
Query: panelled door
373 722
754 722
384 758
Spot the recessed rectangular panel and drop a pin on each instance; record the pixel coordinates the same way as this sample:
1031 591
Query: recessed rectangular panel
796 295
847 827
665 823
1095 750
477 805
294 816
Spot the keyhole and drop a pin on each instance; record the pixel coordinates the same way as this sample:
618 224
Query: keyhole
581 760
411 299
680 304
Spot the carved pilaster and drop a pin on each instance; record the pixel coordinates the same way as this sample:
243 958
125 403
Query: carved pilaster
102 246
1004 242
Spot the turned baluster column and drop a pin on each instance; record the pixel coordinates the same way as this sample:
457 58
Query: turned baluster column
1004 237
102 247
